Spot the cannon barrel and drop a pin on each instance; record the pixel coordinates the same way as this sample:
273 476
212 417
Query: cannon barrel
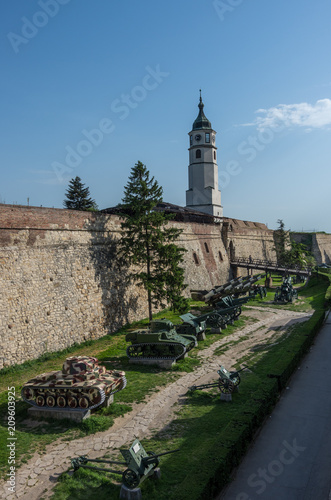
151 458
105 461
102 469
234 374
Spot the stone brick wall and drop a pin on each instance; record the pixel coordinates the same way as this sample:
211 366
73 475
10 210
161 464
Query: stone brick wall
318 243
60 282
322 248
246 238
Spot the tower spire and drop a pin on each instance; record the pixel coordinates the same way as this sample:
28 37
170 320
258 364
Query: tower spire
201 121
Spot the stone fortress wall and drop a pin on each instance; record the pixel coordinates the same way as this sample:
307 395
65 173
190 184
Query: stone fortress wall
318 243
60 281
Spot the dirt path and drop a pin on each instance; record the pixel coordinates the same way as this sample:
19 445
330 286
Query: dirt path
37 478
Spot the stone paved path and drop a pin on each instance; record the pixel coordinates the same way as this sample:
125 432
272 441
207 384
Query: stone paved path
36 479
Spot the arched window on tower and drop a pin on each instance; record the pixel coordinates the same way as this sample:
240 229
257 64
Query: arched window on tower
198 153
214 155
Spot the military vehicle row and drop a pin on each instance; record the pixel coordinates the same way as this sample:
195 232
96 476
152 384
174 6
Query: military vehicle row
164 341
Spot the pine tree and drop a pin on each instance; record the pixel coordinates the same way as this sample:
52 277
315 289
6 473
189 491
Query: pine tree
148 245
78 196
281 242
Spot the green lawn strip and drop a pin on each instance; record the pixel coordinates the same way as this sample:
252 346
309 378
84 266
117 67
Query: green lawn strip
213 435
311 296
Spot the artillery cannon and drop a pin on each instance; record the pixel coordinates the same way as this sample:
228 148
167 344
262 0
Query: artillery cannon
218 318
159 342
140 464
257 290
286 293
215 293
192 325
238 286
227 382
247 285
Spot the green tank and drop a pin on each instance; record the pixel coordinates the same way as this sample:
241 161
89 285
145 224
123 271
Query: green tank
81 384
161 341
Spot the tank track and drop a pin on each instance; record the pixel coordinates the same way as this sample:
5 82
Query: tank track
66 408
135 346
121 387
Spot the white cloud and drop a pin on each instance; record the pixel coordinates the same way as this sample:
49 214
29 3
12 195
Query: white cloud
303 114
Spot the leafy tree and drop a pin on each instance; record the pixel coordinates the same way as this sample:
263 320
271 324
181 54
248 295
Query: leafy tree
78 196
148 245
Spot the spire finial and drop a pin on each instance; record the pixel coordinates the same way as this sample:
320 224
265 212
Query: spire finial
200 102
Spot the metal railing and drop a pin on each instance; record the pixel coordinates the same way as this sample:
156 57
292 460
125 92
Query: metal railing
269 265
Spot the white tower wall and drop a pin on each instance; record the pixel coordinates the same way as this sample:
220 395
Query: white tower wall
203 193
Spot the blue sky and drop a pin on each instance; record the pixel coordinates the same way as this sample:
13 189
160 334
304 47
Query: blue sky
89 88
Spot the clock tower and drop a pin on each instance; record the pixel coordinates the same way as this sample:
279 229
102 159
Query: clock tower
203 193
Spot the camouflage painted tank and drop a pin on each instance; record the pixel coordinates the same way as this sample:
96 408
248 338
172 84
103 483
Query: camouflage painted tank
161 341
81 383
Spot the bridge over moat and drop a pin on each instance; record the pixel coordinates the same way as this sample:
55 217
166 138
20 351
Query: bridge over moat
269 266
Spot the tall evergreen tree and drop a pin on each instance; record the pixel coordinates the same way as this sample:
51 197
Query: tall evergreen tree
148 245
282 242
78 196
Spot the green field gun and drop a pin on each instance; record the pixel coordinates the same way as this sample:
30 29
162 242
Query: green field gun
286 293
257 290
140 464
218 318
192 325
227 382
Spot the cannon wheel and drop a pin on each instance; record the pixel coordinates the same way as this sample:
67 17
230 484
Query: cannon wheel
130 478
235 380
225 386
215 320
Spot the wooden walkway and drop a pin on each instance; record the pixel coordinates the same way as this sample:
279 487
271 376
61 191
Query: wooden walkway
269 266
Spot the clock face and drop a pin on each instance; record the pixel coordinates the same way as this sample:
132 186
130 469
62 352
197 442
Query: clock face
198 137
